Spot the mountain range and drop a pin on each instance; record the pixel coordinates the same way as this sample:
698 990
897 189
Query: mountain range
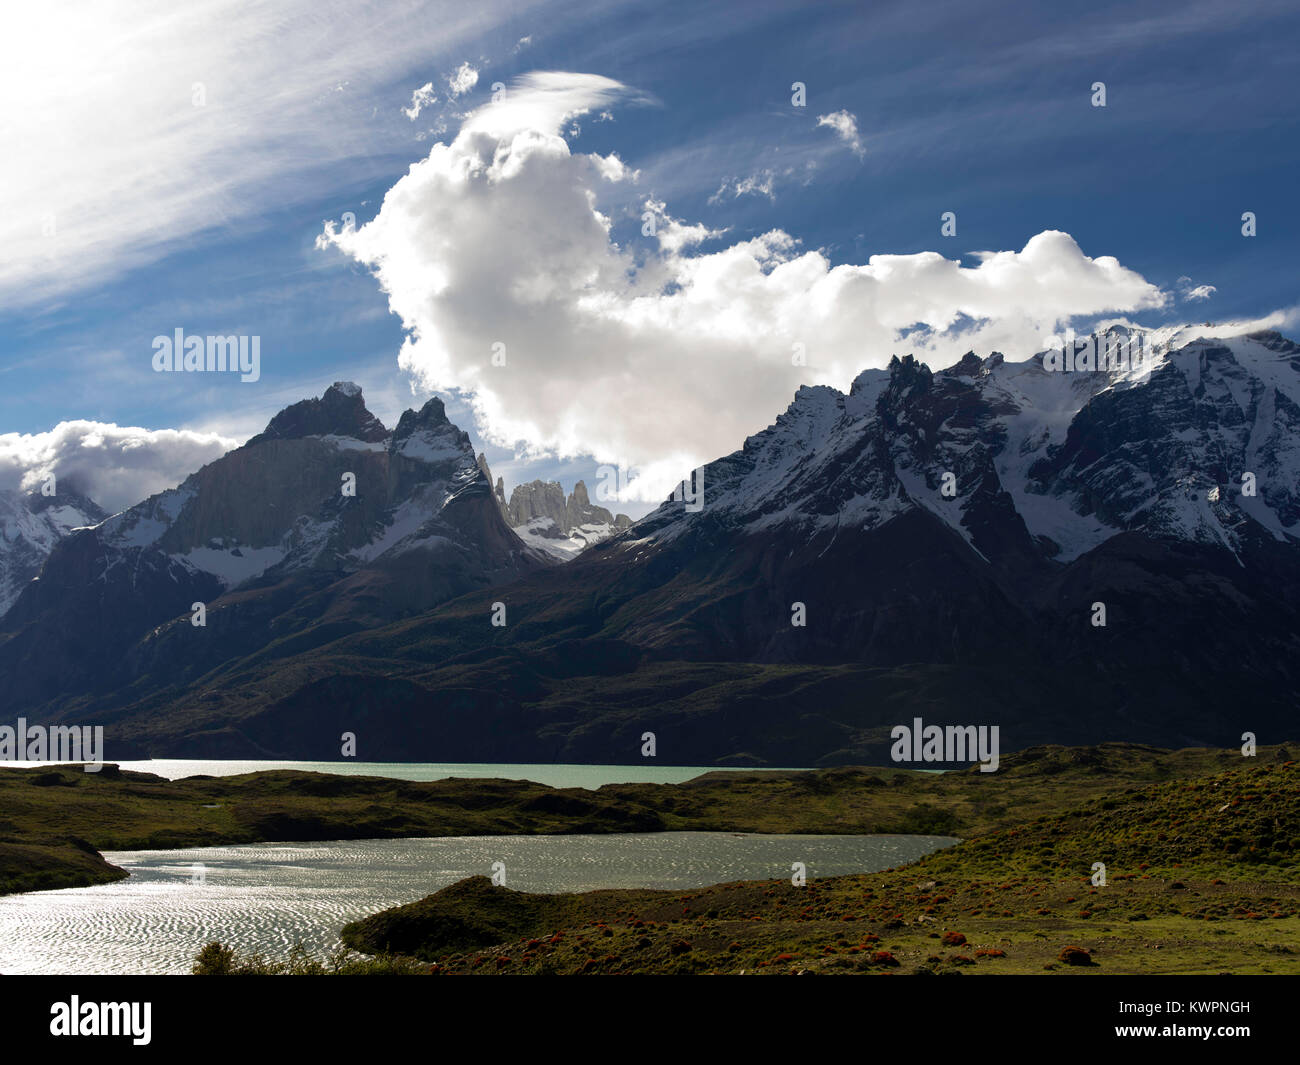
1072 556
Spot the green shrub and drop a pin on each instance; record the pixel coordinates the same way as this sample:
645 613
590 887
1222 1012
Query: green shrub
217 959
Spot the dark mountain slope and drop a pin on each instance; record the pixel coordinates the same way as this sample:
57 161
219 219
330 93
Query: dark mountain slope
948 536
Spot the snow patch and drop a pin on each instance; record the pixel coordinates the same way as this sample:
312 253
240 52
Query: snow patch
232 566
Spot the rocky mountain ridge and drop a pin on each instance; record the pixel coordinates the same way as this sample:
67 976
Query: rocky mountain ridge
928 543
31 523
543 517
326 522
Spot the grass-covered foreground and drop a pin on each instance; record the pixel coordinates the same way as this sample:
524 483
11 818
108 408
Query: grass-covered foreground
1202 856
1201 848
1202 877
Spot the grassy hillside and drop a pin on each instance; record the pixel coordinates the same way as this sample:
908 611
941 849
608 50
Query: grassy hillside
1203 876
1200 848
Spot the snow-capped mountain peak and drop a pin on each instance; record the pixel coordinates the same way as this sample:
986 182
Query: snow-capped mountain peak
1198 442
31 524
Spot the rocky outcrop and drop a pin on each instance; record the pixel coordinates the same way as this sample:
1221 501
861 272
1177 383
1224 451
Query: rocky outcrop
340 411
581 511
539 500
541 514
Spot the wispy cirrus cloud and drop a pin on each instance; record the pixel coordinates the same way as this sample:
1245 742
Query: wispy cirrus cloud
420 99
461 80
845 126
128 128
761 184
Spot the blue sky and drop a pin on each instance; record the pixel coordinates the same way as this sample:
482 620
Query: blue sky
980 109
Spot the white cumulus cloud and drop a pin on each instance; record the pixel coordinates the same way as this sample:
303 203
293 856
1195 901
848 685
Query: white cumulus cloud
1190 292
662 352
1198 293
115 465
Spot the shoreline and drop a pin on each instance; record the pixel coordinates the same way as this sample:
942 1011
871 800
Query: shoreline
1201 875
58 820
1179 861
266 897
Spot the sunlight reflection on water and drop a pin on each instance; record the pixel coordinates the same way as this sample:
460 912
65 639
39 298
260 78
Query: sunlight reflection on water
267 897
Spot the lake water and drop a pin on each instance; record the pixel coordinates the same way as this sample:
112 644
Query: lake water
266 897
556 776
